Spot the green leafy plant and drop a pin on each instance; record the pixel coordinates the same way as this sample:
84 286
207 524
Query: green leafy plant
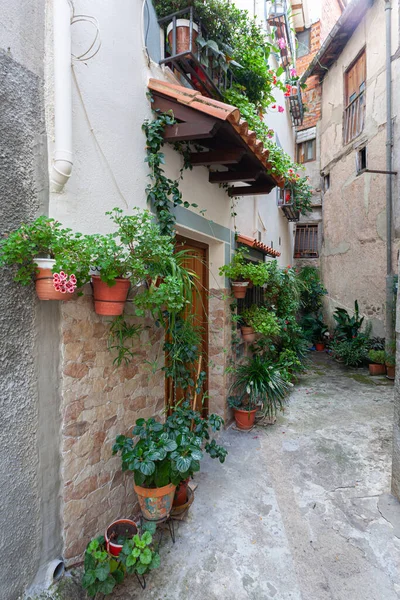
138 554
241 269
312 290
120 339
257 381
262 320
314 328
347 327
377 357
352 352
102 571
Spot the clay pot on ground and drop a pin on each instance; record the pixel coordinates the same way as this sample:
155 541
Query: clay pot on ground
123 528
375 369
179 510
319 346
110 300
181 493
183 36
248 334
244 418
390 372
44 282
155 503
239 288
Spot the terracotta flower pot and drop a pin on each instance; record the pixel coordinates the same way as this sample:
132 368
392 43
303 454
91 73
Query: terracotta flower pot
110 300
178 510
183 36
155 503
239 288
390 372
244 418
44 282
319 346
248 334
122 527
375 369
181 493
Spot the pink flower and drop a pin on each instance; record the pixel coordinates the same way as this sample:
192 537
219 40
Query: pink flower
281 109
63 283
282 43
293 73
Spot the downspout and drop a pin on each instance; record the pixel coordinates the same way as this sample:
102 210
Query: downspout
63 157
389 145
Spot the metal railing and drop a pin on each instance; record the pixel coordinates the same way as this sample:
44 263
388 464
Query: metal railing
278 17
296 107
197 64
306 241
354 118
285 201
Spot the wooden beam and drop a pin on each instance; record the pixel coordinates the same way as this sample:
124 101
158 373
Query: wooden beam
231 176
217 157
184 132
251 190
181 112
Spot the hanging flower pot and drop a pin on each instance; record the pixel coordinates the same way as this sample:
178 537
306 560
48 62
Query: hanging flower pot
244 418
110 300
44 282
155 503
183 36
248 334
239 288
123 529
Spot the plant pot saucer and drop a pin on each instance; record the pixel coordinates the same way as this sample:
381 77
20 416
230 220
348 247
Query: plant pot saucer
178 511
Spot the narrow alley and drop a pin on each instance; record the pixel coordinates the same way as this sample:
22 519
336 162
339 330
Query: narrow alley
300 510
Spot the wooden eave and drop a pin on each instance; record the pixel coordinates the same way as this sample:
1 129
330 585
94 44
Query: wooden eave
227 147
256 245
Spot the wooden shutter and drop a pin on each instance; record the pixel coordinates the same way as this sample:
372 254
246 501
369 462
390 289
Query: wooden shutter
355 79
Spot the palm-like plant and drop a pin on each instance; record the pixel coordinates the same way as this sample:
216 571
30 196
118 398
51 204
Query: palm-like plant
257 381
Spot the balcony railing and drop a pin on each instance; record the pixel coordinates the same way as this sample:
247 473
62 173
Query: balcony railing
354 118
296 106
285 202
197 59
278 18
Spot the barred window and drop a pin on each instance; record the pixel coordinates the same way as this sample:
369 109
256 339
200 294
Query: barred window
306 241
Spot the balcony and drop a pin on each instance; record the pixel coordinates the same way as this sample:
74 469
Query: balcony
296 106
286 203
197 59
354 118
278 18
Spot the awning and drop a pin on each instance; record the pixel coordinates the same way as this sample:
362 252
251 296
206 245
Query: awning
225 139
253 243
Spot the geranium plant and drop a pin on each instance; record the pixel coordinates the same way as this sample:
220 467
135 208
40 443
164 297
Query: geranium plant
262 320
241 269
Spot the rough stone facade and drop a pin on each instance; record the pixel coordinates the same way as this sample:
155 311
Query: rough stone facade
101 400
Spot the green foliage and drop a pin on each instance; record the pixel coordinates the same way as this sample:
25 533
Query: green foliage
138 555
352 352
183 342
312 290
120 339
313 327
241 269
101 570
170 452
390 359
347 327
257 381
262 320
377 357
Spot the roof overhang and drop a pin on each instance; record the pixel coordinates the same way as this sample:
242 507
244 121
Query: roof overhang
337 39
253 243
229 149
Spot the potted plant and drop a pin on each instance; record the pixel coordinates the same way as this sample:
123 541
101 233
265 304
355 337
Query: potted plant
44 252
103 570
261 320
258 383
117 533
320 331
241 272
377 365
243 411
390 361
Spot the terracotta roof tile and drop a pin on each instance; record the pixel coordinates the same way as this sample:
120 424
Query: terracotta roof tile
219 110
253 243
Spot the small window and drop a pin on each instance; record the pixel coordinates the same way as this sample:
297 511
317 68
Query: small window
327 182
361 160
306 241
354 84
303 42
306 151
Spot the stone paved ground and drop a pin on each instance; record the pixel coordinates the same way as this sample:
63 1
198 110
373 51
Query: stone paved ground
299 511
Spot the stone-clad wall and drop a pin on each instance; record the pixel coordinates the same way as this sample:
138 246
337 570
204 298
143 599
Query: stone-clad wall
100 401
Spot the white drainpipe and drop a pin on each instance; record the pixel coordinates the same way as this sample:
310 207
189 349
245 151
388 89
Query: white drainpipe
63 157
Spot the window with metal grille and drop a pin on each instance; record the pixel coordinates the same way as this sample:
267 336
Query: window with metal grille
306 241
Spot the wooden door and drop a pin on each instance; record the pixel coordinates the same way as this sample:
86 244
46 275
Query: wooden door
197 261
